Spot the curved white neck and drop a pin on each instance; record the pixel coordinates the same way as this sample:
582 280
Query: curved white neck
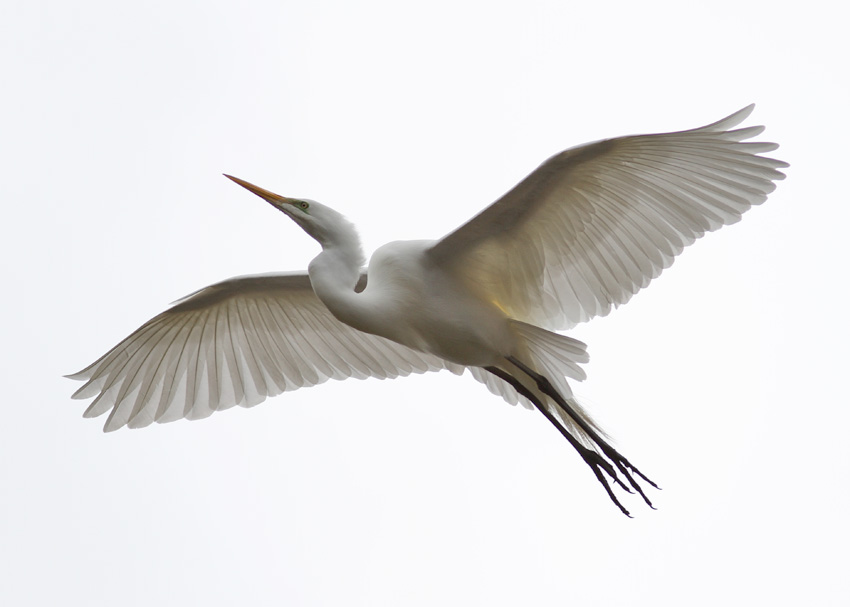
334 273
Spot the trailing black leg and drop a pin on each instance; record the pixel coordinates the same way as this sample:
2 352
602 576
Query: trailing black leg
626 467
596 462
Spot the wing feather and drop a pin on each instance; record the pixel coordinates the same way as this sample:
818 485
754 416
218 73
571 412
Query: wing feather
595 224
236 343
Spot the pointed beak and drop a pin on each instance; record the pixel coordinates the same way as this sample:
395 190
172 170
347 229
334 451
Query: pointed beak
275 200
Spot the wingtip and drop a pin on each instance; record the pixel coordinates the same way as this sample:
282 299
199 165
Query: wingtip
731 120
745 111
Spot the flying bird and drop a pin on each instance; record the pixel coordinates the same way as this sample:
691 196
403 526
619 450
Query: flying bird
576 238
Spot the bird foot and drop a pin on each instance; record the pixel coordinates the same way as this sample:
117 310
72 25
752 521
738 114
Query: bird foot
599 464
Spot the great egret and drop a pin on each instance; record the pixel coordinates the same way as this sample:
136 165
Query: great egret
576 238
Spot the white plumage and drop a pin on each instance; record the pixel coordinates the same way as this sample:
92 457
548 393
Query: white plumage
576 238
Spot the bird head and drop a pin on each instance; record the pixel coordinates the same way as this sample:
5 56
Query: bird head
327 226
300 210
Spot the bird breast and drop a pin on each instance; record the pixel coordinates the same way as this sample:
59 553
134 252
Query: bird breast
425 307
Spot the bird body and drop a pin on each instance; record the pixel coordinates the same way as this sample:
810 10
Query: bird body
401 304
573 240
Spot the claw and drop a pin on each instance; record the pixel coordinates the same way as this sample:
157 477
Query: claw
596 463
626 467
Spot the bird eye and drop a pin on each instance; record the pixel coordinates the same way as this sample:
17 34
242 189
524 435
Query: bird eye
304 204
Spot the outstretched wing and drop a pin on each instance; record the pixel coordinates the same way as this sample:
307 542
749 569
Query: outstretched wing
236 343
594 224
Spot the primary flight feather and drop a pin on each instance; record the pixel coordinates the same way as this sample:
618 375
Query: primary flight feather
576 238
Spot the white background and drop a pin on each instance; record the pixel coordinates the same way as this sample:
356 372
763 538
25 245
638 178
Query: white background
724 381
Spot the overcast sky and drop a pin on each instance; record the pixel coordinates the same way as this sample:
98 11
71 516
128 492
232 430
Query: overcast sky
725 381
